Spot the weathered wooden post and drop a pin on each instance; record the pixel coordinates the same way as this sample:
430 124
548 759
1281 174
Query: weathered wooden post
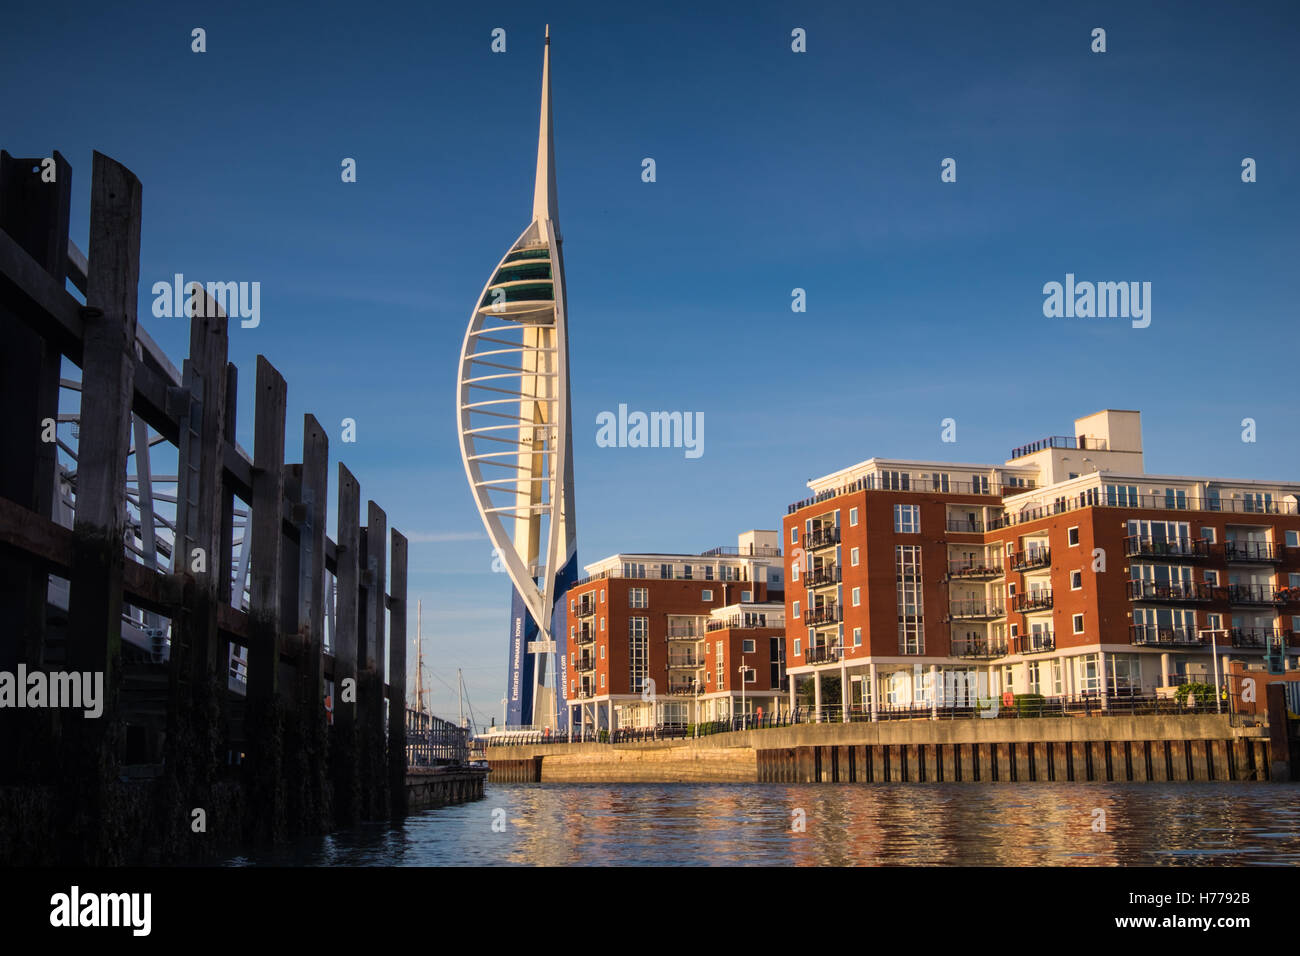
397 679
311 622
344 763
34 213
108 388
371 699
264 722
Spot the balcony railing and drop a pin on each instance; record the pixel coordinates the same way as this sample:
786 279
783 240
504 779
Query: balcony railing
829 613
1098 498
749 620
822 577
586 663
586 608
1252 552
1136 546
676 689
1031 559
1039 642
916 484
978 648
967 569
1060 441
586 635
820 538
685 632
974 610
1150 634
1257 594
688 660
822 654
1175 592
1260 637
966 525
1029 601
749 551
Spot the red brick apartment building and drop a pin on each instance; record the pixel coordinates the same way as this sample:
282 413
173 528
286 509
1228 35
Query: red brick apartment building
659 639
1066 571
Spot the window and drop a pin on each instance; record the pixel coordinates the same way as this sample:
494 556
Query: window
895 480
939 481
1078 624
794 570
638 597
747 646
1073 536
1295 622
708 572
1212 499
1207 534
798 647
748 675
857 637
602 595
853 557
1076 580
907 519
1212 578
747 596
1293 539
796 609
602 652
1293 580
911 624
638 652
1122 496
1176 498
794 535
717 657
602 680
686 572
602 624
706 595
853 517
857 595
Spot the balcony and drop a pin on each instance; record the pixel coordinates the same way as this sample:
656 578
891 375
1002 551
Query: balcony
1136 546
1039 642
821 538
1252 552
829 613
1258 637
586 607
822 577
685 632
978 648
586 663
587 691
1254 595
1030 601
966 525
681 689
1176 592
970 571
1147 635
1031 559
750 619
586 635
822 654
683 661
974 610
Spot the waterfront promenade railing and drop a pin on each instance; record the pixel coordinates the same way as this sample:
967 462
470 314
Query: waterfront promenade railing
1024 706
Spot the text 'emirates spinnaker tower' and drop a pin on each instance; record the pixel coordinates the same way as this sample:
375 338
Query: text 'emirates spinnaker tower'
513 407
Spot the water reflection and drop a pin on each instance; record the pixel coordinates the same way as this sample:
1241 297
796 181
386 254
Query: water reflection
847 825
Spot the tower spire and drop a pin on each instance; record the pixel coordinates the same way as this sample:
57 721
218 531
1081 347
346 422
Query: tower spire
544 203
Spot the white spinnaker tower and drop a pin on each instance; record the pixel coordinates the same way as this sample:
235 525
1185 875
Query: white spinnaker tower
513 408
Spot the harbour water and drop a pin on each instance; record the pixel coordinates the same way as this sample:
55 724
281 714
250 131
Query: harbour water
881 824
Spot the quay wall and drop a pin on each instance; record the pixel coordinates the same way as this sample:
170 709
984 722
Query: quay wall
1137 749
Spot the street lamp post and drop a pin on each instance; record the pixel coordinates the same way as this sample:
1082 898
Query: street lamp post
744 714
1214 660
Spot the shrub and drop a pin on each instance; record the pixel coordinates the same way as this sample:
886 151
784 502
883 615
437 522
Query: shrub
1202 693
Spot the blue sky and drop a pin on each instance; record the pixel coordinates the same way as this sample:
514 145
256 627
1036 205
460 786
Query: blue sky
775 170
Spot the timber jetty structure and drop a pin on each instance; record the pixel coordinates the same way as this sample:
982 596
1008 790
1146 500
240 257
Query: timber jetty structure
242 651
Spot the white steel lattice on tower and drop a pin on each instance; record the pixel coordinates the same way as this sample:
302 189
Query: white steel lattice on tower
513 408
